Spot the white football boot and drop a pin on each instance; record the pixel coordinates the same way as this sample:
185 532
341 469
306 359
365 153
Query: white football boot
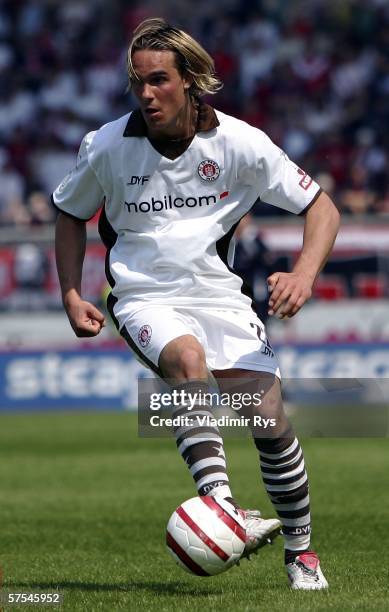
259 531
305 574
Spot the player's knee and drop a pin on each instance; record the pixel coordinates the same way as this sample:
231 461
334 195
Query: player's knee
183 359
191 363
188 364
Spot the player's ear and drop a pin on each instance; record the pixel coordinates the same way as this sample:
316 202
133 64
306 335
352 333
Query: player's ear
187 80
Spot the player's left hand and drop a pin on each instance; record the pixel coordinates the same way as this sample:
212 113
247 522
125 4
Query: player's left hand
288 293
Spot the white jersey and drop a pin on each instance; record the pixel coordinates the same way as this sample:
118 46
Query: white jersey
168 223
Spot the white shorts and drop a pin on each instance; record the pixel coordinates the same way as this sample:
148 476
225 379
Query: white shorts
230 338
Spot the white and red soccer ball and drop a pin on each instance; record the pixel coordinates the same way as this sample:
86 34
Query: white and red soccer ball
206 535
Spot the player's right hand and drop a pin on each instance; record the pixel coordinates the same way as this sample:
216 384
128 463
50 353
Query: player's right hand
85 319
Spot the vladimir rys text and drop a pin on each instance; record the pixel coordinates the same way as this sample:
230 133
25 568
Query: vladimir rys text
210 421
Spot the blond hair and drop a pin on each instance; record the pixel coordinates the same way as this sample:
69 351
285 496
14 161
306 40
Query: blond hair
191 58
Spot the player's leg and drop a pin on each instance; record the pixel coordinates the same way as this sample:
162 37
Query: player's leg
182 362
168 342
282 468
165 342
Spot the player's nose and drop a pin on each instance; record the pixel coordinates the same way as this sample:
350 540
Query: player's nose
146 93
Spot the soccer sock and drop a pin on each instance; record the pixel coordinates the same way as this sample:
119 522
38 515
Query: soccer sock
286 482
201 445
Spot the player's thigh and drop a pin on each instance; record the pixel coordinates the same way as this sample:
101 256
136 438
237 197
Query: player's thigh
164 340
236 339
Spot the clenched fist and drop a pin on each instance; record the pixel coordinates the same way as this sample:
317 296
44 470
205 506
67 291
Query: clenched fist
85 319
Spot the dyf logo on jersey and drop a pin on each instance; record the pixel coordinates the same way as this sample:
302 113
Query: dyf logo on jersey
138 180
208 170
144 335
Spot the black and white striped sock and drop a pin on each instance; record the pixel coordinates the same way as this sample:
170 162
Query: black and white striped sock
201 445
286 481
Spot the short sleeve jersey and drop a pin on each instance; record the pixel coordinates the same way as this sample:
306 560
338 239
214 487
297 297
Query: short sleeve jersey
168 223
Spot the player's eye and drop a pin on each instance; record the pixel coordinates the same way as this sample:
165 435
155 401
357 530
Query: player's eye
157 80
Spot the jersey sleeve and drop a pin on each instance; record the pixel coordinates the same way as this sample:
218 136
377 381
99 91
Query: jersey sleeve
80 193
281 182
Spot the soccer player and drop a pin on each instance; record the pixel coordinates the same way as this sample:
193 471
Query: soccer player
176 177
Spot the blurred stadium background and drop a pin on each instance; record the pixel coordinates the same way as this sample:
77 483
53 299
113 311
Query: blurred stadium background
313 74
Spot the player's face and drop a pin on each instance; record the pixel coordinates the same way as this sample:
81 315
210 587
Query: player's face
162 92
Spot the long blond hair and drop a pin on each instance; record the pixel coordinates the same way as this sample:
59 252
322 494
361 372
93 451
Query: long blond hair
191 58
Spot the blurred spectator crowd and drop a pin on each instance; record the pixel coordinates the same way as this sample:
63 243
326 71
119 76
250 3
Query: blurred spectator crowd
313 74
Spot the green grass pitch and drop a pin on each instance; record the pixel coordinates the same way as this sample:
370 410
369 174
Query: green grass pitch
84 504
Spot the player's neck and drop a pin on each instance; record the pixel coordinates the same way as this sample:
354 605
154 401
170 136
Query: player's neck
181 128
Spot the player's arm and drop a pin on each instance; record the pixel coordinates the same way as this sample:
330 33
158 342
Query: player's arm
70 242
289 291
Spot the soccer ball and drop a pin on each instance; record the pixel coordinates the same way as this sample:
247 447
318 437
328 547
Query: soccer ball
206 535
